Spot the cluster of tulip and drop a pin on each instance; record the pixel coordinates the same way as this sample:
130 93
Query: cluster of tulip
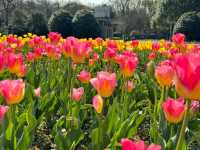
117 68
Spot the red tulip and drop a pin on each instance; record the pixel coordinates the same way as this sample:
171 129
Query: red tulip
155 46
104 83
91 62
135 43
84 76
95 56
187 81
12 90
152 56
178 38
3 110
77 93
97 103
174 110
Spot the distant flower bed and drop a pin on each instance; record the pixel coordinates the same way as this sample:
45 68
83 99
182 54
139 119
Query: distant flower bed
69 93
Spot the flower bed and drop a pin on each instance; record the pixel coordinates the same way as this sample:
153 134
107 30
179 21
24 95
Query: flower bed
98 94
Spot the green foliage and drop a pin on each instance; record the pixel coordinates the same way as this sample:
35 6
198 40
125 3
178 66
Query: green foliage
189 24
37 24
168 12
85 25
18 23
61 21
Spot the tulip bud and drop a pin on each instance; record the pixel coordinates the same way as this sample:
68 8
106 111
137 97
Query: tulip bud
150 68
84 76
3 110
77 94
97 103
37 92
129 86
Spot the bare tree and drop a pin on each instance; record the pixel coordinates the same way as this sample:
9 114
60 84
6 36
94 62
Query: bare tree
7 7
135 14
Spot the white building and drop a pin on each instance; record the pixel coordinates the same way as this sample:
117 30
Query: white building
103 14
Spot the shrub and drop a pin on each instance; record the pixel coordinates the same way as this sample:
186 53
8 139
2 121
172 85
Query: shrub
61 21
85 25
188 24
37 24
18 23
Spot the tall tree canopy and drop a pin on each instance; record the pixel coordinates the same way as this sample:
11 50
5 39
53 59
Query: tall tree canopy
168 12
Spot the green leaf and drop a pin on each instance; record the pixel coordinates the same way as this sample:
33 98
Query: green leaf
9 131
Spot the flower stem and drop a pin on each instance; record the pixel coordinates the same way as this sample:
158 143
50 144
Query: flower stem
183 127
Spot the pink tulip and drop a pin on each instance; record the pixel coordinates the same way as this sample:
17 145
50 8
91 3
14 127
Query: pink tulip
128 65
80 52
68 46
14 62
84 76
130 145
3 110
53 52
37 92
54 37
12 90
194 106
104 83
22 71
174 110
30 56
97 103
129 86
154 147
187 81
110 53
38 52
2 62
77 94
164 73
